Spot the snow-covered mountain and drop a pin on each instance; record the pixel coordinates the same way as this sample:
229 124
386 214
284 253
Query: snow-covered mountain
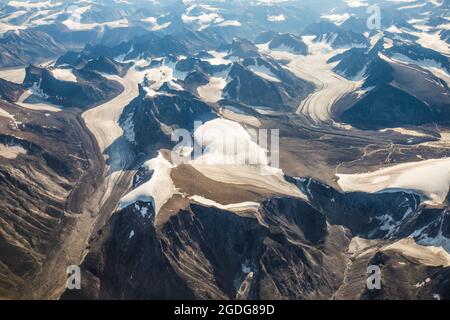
132 144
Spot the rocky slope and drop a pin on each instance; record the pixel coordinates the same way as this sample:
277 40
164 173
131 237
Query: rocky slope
89 89
48 167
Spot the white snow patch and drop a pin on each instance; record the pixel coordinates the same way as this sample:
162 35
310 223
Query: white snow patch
356 3
11 151
64 74
218 58
162 74
276 18
5 27
159 189
394 29
232 206
431 178
227 142
336 18
231 156
155 26
5 114
430 256
213 90
423 283
35 5
128 129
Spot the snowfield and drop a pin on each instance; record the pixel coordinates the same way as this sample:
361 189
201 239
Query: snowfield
16 75
158 190
242 206
227 142
432 40
64 75
231 156
103 120
230 113
435 68
430 178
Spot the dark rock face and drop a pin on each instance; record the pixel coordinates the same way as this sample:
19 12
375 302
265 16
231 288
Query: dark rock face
89 90
344 39
417 53
41 193
9 91
192 64
363 213
242 48
445 226
194 80
387 106
378 73
146 118
356 60
391 215
320 28
105 65
400 278
143 175
33 75
445 35
351 62
398 95
140 273
62 34
248 88
207 253
72 58
148 45
289 41
409 281
429 221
